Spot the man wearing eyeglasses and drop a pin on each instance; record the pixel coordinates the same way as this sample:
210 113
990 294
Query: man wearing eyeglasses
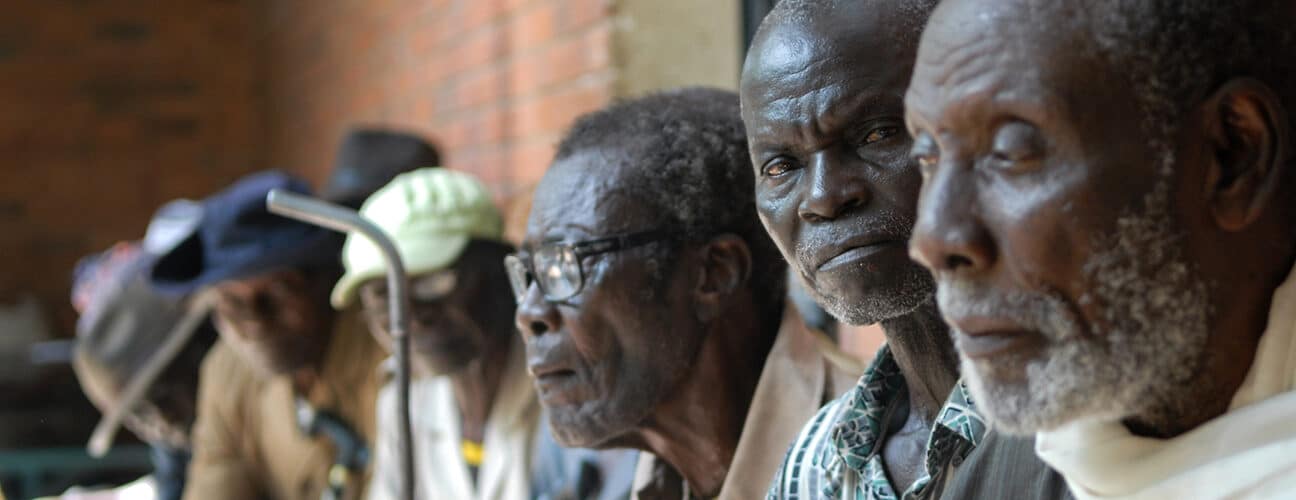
652 302
475 411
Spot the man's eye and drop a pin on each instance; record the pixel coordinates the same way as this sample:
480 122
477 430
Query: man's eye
1017 145
873 136
777 168
878 134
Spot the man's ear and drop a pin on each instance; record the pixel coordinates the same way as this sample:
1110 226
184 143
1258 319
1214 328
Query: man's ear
726 265
1248 129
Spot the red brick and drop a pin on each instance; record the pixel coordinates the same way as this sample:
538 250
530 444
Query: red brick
479 12
481 88
581 13
562 61
528 161
483 47
533 26
555 112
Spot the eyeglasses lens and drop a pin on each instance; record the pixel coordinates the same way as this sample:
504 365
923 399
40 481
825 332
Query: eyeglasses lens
559 272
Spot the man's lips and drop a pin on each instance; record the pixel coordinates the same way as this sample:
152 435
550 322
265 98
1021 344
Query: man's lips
853 252
982 337
553 365
543 371
556 385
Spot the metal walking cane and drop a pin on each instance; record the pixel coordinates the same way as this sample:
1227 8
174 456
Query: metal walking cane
342 219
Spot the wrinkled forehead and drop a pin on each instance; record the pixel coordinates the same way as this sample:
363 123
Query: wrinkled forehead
593 191
845 43
1020 53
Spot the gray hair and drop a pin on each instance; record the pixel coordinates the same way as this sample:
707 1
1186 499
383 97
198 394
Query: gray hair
688 152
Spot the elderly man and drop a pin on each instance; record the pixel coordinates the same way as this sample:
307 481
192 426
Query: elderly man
652 301
1107 209
137 357
286 400
822 100
475 410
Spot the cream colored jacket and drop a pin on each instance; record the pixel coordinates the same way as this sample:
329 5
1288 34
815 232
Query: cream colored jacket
1248 452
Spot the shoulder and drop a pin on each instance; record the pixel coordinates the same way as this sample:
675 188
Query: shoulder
224 368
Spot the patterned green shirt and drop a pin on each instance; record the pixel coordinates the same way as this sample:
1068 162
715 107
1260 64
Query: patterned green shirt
837 454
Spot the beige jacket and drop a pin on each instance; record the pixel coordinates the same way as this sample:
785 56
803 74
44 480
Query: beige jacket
438 463
1248 452
247 443
804 371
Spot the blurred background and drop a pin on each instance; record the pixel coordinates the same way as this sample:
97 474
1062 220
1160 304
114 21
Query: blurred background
112 107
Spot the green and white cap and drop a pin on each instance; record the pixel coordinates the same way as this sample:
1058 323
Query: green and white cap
431 214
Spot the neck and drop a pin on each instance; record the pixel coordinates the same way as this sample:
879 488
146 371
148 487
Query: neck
697 431
925 353
305 378
476 387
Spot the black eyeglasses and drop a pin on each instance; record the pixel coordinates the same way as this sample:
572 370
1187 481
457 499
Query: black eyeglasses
556 267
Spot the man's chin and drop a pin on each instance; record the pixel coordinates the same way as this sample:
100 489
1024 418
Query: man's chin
1022 396
858 304
597 423
1006 403
573 430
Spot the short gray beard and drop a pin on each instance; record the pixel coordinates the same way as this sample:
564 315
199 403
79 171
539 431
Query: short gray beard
915 288
1156 310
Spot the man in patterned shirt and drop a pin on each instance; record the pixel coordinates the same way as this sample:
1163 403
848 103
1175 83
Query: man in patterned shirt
822 93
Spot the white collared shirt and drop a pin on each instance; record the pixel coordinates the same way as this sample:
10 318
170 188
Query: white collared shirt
439 466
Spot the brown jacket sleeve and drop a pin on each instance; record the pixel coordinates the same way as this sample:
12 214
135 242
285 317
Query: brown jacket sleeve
222 466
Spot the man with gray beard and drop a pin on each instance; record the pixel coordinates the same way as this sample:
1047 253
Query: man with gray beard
822 96
1107 209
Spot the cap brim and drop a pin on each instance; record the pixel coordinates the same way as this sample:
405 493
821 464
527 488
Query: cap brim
106 430
419 256
185 270
173 271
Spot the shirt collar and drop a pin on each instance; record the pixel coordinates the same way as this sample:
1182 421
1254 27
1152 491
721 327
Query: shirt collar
959 427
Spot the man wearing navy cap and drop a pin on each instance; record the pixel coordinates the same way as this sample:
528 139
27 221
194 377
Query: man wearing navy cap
286 399
137 352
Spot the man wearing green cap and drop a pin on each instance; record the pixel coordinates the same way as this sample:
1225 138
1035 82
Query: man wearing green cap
476 408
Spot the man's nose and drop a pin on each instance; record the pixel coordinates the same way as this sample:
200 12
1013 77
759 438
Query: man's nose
535 315
835 189
949 235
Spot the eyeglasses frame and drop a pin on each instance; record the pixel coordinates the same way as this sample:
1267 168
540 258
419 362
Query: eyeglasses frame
582 249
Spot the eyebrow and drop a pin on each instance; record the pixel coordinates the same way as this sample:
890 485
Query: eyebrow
842 117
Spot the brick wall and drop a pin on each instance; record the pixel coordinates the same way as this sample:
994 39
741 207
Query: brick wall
492 82
111 108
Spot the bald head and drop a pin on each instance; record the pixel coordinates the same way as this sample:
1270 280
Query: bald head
799 35
909 15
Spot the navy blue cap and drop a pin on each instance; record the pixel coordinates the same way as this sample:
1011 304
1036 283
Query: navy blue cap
239 238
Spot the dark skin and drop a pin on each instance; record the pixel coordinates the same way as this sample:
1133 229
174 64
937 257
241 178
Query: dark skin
1023 174
823 104
604 368
461 327
279 321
